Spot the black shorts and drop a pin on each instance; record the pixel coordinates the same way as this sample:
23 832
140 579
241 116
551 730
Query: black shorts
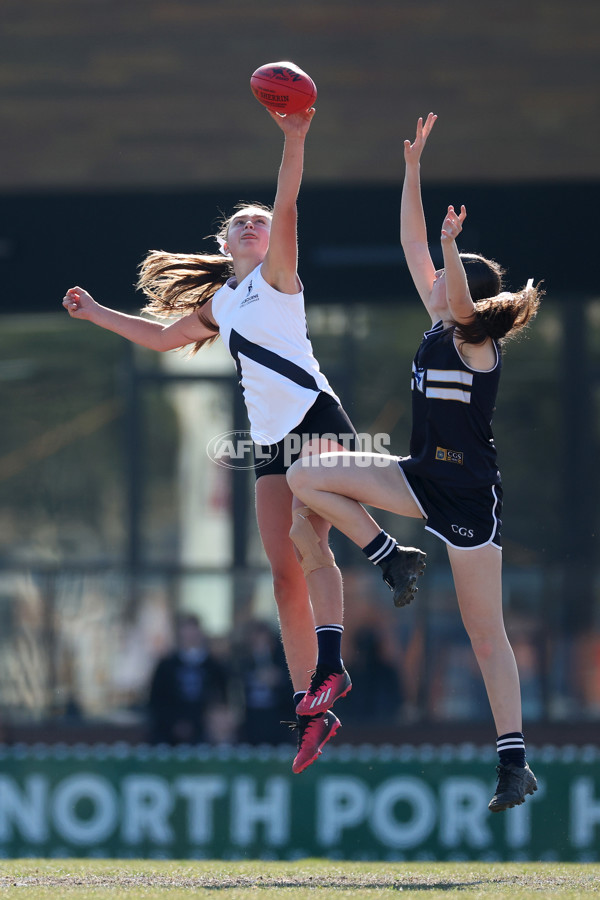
467 518
326 418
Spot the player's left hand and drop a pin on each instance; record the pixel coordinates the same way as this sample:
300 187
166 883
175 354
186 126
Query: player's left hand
452 224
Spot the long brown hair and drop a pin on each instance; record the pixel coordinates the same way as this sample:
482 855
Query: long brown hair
177 284
499 314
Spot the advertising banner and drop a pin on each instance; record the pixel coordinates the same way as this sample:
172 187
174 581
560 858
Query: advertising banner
355 803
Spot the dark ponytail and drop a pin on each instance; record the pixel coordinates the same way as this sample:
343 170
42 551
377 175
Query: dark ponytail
498 314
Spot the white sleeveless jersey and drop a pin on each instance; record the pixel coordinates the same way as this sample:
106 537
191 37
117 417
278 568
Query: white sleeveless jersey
267 336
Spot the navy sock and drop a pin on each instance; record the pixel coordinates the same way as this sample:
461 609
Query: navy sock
380 548
329 640
511 748
298 695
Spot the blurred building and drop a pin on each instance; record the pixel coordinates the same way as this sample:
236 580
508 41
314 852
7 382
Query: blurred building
129 126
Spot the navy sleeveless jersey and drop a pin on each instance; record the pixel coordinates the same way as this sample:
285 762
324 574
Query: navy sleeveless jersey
453 404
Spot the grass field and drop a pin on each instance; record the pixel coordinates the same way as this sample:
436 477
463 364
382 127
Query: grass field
309 878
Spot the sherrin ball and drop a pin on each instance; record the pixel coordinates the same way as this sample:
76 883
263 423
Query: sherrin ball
283 87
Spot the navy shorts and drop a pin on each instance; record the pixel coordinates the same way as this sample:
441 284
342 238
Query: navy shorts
467 518
326 418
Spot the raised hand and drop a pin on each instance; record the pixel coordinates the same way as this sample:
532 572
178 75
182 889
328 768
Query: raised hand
412 152
294 124
78 303
452 224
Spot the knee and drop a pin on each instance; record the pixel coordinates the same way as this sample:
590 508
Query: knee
483 644
310 542
296 477
289 585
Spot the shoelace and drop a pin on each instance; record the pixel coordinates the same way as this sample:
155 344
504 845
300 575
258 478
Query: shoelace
504 779
296 726
315 685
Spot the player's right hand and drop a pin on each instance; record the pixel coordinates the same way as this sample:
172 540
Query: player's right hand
78 303
294 124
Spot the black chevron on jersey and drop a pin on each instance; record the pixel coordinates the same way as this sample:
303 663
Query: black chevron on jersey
239 344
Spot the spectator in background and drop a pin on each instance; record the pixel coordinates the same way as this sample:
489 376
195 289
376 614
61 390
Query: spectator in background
185 686
264 679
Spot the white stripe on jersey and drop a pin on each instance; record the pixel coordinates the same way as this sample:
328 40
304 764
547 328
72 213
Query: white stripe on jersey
456 375
438 393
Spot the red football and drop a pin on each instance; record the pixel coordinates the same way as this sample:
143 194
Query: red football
284 88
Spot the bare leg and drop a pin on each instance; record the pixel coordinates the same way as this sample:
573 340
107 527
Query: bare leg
336 484
274 515
324 584
478 581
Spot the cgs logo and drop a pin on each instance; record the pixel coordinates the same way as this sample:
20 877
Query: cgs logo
453 456
464 532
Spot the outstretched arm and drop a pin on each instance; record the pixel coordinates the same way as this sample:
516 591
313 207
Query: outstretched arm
280 265
457 288
413 230
154 335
